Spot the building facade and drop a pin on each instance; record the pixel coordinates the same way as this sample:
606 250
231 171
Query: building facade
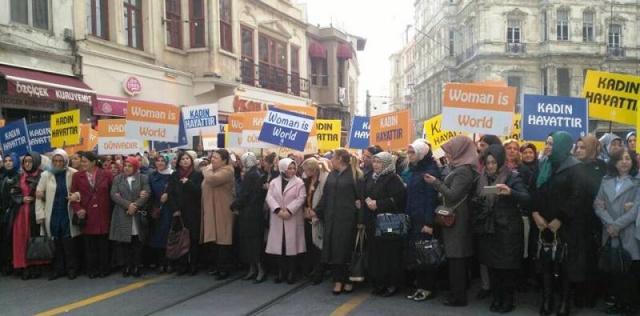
539 47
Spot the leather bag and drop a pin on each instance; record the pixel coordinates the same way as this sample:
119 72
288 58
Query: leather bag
392 225
614 260
446 216
429 253
178 241
41 247
554 251
358 259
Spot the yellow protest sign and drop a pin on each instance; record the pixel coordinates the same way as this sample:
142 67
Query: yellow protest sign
516 128
65 128
435 135
612 97
329 133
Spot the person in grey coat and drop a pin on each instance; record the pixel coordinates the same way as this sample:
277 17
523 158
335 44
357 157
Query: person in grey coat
617 205
455 189
129 222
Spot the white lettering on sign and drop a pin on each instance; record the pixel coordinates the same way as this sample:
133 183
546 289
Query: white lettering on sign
138 111
32 90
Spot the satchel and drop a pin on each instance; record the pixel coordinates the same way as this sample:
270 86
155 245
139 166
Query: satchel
41 248
429 253
178 242
554 251
392 225
80 222
614 260
358 259
446 216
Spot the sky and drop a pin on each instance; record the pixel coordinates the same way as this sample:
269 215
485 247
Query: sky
382 23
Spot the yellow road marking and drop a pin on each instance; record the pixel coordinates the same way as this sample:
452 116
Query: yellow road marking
350 305
103 296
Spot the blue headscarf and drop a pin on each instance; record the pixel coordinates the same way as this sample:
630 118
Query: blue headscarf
16 163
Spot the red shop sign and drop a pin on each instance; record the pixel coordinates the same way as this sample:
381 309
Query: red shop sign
132 86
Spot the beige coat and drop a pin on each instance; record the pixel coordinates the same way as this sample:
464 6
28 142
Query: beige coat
218 192
44 207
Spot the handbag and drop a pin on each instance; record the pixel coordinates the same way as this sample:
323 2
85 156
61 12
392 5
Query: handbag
392 225
446 216
77 221
358 258
41 247
554 251
429 253
178 241
614 260
317 230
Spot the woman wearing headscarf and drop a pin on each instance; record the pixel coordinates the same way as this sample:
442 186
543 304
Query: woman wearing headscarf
455 189
24 223
249 206
94 186
114 168
339 209
285 198
559 195
129 225
611 143
10 177
422 200
527 167
53 205
498 225
218 192
616 206
384 192
316 173
160 213
185 200
587 149
367 156
630 143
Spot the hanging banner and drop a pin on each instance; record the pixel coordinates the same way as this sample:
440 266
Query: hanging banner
435 135
40 136
544 114
65 128
15 138
182 139
199 118
359 133
390 131
286 129
113 140
475 108
329 134
612 97
152 121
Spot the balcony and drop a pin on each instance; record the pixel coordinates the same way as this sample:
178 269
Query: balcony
515 48
615 52
273 78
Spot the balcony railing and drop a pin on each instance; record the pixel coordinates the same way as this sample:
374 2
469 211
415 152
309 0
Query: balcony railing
515 48
615 51
273 78
247 71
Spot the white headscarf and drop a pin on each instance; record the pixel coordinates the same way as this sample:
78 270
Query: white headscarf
283 165
388 165
421 147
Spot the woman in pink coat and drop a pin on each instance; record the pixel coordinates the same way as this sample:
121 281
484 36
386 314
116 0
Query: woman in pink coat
285 198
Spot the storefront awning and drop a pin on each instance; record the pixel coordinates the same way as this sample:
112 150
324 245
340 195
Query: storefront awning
41 85
317 50
110 106
344 51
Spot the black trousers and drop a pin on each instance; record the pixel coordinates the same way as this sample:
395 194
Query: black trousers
130 252
97 253
220 256
503 283
340 273
190 260
458 279
426 279
66 256
626 286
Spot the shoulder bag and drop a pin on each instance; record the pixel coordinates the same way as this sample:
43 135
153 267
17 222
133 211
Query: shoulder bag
446 216
178 241
429 253
392 225
614 260
41 247
358 258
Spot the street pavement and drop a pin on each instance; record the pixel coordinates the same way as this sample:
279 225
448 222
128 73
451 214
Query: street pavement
203 295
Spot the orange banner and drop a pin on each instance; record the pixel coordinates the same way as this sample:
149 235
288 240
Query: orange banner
88 140
479 97
112 128
390 131
235 121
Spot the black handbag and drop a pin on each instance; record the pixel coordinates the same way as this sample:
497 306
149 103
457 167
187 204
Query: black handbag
554 251
358 259
178 241
429 253
80 222
392 225
41 247
614 260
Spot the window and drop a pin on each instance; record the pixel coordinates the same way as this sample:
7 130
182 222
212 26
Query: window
452 38
97 18
226 39
273 63
295 61
545 82
615 34
173 21
247 43
516 82
562 31
196 23
587 27
246 50
133 23
341 72
564 82
545 26
319 72
513 31
34 13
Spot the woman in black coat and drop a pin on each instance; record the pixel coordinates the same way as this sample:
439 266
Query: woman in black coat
251 224
184 199
498 225
10 176
339 211
384 192
559 195
422 200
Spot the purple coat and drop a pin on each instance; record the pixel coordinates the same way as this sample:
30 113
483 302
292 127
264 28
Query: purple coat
292 198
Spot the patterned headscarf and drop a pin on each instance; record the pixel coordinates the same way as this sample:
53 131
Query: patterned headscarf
249 160
388 165
606 141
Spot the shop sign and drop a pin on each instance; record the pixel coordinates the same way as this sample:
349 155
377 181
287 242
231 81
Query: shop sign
29 104
132 86
36 91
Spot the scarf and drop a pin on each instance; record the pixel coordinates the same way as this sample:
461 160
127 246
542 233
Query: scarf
16 166
606 141
388 166
37 160
562 143
249 160
462 151
185 172
421 148
591 146
626 139
283 165
502 174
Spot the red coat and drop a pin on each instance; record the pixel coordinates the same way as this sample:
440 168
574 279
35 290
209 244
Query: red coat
97 205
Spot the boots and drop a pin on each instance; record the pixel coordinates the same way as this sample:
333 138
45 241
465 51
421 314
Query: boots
508 303
547 295
565 305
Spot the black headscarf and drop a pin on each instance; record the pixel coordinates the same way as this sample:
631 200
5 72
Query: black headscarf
37 160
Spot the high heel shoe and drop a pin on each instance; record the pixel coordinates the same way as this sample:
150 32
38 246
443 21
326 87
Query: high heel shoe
339 290
249 276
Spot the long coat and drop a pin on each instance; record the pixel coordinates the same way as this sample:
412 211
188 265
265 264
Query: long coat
337 209
161 225
613 213
561 197
186 198
503 249
291 229
250 204
218 192
44 207
457 186
96 203
123 195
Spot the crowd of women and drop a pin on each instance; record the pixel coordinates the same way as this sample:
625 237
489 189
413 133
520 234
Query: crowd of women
296 217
